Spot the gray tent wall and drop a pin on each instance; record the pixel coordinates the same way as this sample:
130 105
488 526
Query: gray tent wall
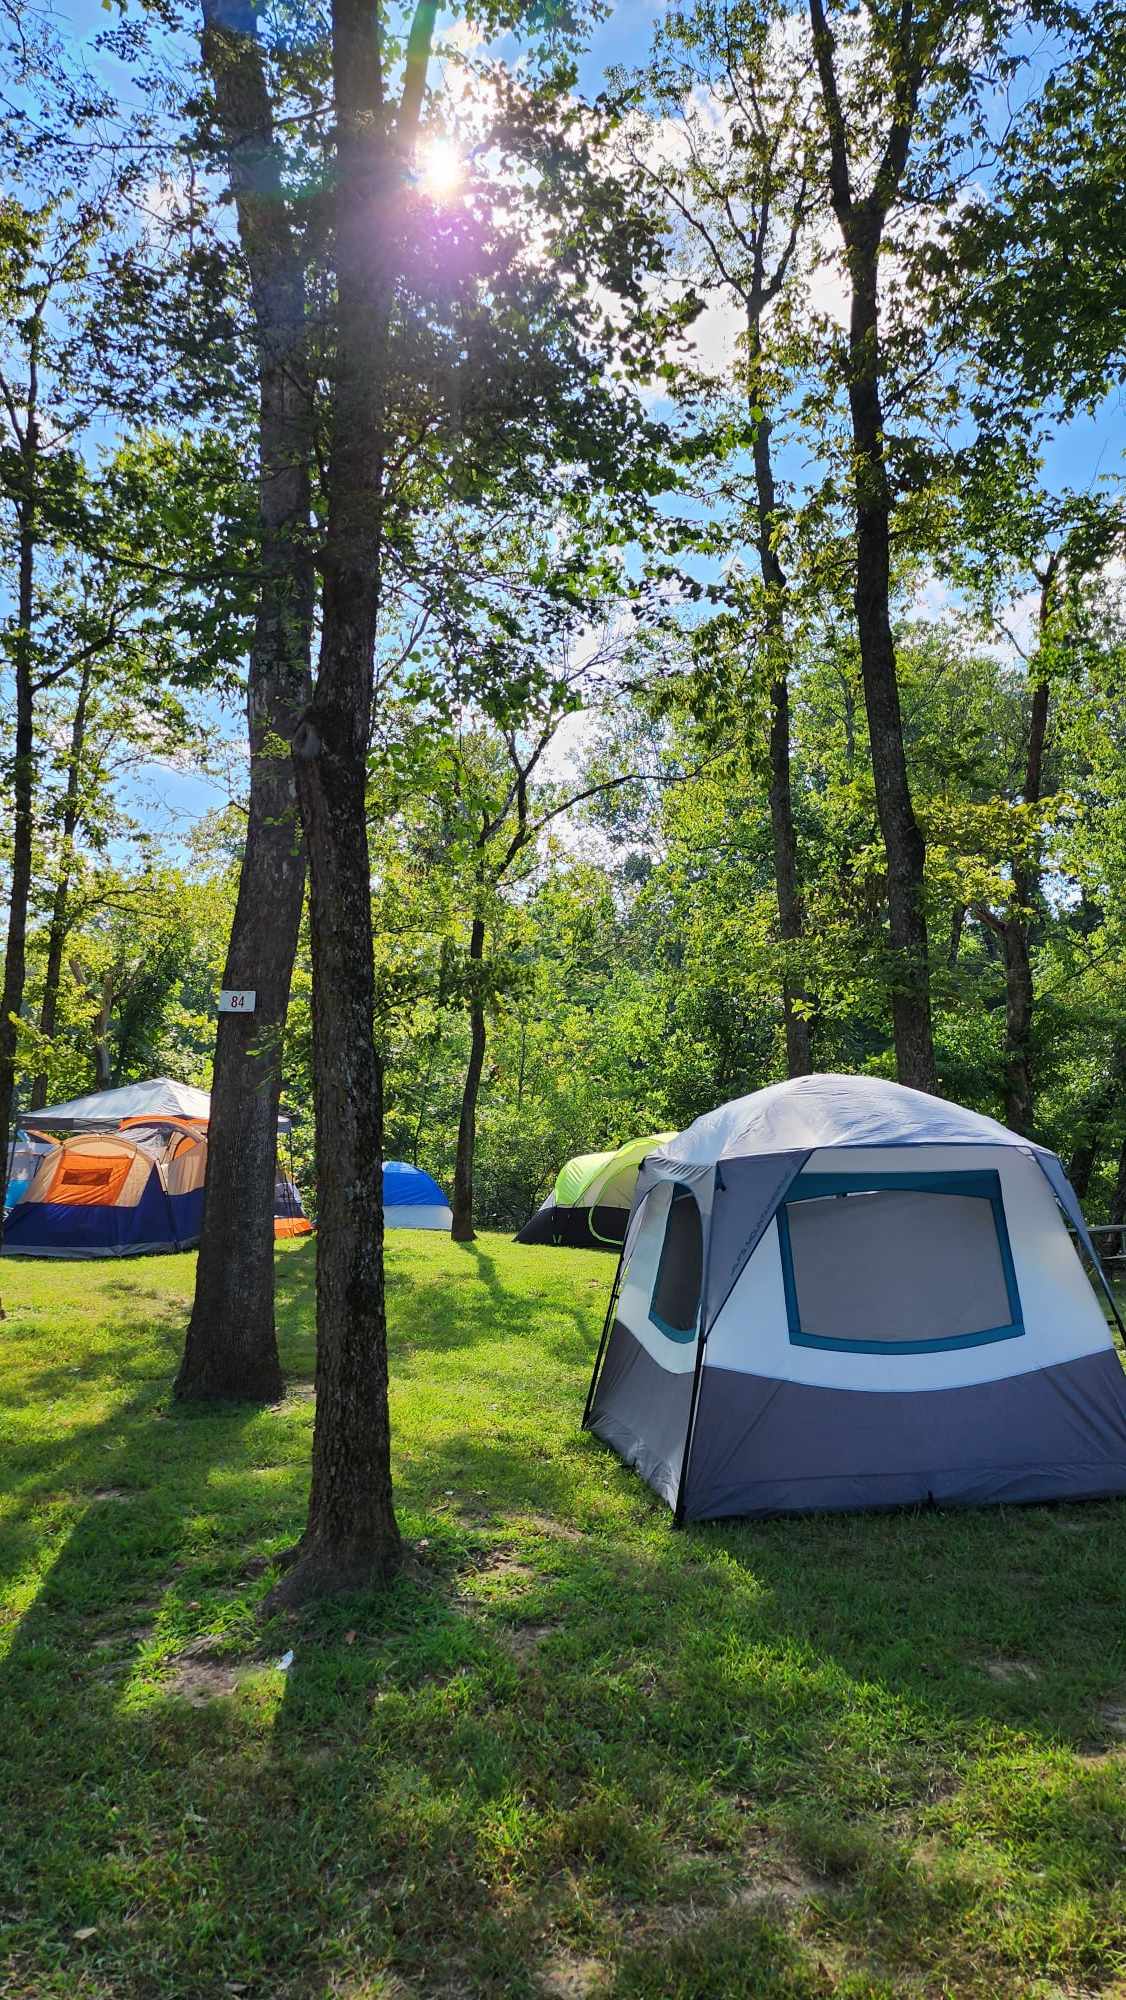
712 1443
646 1413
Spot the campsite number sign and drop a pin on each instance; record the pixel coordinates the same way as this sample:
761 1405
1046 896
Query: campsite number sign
237 1000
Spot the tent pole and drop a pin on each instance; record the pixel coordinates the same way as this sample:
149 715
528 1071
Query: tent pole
606 1325
698 1372
690 1427
1109 1290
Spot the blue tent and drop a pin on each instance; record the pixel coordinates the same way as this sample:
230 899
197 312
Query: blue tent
412 1199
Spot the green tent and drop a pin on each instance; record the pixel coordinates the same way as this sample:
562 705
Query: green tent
589 1205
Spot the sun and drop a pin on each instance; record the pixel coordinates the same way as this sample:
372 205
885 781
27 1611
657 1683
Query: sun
441 168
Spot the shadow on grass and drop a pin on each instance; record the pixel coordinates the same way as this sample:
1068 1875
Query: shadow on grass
567 1736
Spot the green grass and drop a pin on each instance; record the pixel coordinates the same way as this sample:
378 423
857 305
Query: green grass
570 1752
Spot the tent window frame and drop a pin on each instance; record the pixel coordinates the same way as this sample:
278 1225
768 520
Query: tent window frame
982 1185
680 1192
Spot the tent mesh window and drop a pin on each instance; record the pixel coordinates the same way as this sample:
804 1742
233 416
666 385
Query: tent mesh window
898 1263
675 1303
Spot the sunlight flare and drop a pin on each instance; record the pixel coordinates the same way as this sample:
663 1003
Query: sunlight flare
441 168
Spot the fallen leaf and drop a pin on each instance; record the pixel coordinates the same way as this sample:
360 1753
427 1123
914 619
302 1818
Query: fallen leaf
349 1638
87 1931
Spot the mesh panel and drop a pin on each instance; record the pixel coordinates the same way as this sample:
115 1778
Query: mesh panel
676 1293
897 1266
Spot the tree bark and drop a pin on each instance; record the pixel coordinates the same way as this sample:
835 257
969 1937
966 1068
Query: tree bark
1020 1109
862 224
23 786
60 902
1118 1201
103 1066
231 1348
462 1230
351 1536
791 922
903 839
1082 1162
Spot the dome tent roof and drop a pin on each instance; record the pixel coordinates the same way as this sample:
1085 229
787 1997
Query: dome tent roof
811 1112
405 1186
157 1097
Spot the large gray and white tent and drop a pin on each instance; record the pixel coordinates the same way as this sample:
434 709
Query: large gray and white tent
105 1110
839 1293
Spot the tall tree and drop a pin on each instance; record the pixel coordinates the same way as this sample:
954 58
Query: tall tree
735 164
231 1345
886 65
351 1535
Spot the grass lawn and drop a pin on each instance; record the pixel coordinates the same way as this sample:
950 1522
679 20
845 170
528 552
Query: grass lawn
570 1752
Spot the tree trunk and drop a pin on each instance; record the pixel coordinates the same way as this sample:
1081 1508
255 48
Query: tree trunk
799 1055
462 1230
1019 1107
351 1536
103 1066
231 1348
1116 1245
23 792
59 926
1082 1162
903 839
1019 1100
861 224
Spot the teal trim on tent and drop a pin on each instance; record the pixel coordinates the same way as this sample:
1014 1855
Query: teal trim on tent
981 1186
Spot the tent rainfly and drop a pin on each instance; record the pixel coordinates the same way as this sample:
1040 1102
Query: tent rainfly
838 1293
588 1207
411 1199
104 1110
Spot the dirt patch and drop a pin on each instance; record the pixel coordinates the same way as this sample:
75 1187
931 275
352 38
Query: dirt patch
546 1524
502 1563
200 1675
300 1392
522 1642
568 1977
111 1493
779 1882
1004 1670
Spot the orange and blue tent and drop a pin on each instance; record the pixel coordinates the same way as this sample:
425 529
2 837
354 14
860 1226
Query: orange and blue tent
126 1176
114 1194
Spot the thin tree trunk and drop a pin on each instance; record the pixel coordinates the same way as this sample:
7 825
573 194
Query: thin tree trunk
23 793
1019 997
103 1067
862 224
1082 1162
351 1536
231 1348
799 1055
1116 1246
462 1230
903 839
60 902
